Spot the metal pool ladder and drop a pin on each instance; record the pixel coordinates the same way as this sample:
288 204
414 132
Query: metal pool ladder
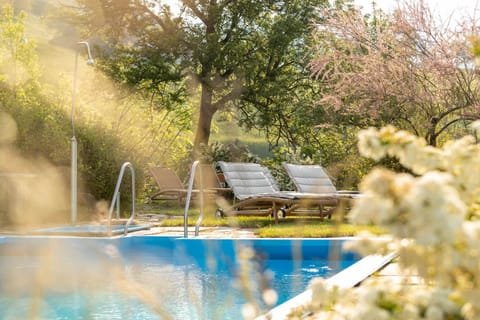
116 194
189 196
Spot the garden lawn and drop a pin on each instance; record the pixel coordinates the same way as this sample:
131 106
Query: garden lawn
291 227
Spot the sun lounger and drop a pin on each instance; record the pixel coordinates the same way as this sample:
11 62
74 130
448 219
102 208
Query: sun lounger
208 179
314 179
256 193
253 192
170 187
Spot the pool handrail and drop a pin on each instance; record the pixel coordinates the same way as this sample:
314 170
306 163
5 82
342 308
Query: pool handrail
189 196
200 217
116 194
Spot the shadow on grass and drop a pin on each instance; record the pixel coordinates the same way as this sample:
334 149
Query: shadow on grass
264 227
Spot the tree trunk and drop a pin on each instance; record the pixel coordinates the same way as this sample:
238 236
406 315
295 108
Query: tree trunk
207 110
431 136
432 140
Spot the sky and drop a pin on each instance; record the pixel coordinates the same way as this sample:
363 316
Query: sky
442 8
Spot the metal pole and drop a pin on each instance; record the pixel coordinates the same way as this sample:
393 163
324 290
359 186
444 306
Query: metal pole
74 156
117 211
73 185
200 217
189 196
73 181
116 193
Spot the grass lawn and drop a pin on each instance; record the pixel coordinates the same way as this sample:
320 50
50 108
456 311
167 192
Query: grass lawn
265 227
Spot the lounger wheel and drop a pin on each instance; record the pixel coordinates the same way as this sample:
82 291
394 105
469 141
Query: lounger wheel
219 213
282 213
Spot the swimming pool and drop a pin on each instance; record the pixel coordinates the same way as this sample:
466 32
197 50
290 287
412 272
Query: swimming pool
156 277
89 230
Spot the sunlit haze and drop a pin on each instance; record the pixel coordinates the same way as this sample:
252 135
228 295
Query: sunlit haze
442 8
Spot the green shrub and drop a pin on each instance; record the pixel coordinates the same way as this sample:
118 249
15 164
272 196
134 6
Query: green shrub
44 131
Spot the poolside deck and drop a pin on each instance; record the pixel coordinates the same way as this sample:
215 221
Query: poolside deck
205 232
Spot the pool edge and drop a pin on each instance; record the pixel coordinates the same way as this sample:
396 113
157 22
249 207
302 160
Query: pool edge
346 278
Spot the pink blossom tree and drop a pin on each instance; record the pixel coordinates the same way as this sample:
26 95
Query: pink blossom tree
407 68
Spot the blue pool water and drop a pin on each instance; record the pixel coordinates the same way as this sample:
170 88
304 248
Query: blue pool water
155 277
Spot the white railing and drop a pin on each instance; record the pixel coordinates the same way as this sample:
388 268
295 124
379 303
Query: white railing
189 196
116 194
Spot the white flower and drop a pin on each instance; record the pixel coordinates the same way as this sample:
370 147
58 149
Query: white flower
365 244
362 312
248 311
475 125
269 296
434 313
320 291
434 226
369 145
409 311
